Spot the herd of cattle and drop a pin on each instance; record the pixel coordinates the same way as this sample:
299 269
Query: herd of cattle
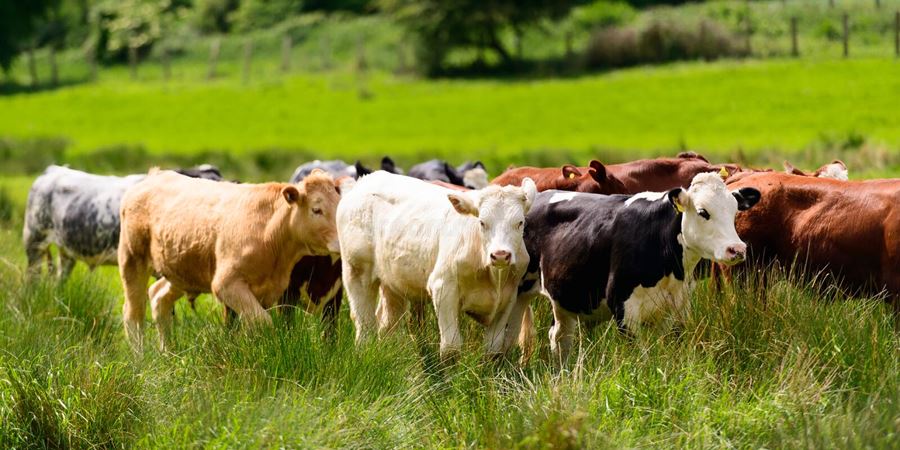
618 241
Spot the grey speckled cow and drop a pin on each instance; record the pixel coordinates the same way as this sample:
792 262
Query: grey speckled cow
79 213
471 175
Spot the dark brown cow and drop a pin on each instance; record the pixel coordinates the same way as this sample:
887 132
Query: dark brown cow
629 178
849 229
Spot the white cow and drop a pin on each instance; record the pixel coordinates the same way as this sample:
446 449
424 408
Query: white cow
415 241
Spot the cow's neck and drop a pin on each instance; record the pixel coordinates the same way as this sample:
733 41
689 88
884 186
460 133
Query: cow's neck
286 246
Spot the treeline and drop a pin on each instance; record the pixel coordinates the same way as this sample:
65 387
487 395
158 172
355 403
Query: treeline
114 31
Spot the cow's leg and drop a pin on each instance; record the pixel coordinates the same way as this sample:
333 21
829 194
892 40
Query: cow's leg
66 265
562 333
362 294
495 336
391 309
135 274
446 306
36 249
162 305
235 294
520 325
330 314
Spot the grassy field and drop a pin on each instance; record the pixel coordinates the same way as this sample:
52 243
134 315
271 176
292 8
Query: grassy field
797 368
753 106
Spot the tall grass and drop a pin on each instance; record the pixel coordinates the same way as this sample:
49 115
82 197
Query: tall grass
787 366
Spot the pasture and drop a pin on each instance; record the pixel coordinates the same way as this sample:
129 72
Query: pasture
788 364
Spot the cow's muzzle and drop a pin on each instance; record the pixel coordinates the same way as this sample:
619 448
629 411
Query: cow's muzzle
735 254
501 258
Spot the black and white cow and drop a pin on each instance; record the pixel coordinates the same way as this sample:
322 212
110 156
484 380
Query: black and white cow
629 257
79 213
337 168
387 165
471 175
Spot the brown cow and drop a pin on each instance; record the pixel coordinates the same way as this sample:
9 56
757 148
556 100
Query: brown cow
239 242
849 229
629 178
836 170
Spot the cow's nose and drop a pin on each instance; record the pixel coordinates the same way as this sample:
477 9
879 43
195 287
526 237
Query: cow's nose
501 257
736 252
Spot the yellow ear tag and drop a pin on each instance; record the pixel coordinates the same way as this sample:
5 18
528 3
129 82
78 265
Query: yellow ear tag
723 173
571 175
678 207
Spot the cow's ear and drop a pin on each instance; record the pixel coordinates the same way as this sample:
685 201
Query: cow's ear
791 170
746 198
361 169
291 195
479 165
679 198
387 164
597 171
530 191
570 172
463 204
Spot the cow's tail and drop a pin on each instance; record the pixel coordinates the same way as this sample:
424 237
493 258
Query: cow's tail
35 235
527 334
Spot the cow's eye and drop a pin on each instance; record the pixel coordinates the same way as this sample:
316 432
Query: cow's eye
520 224
317 211
702 213
483 225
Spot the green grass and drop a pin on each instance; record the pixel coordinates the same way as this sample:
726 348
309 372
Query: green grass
720 108
798 369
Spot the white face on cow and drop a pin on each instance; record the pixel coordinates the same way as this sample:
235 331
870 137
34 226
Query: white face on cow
707 223
475 178
500 212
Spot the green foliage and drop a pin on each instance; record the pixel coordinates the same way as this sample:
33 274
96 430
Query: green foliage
133 24
661 42
256 14
602 13
19 21
214 16
7 209
443 26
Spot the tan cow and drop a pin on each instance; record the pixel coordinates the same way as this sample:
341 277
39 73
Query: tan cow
238 241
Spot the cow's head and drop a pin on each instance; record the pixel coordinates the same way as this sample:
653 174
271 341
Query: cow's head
500 214
312 206
595 179
707 217
474 175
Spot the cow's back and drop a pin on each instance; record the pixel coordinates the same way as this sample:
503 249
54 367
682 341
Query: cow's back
78 211
848 228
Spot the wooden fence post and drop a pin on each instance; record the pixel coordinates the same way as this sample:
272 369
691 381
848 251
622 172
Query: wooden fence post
362 67
897 33
91 56
166 63
325 52
878 4
214 48
795 50
32 66
569 49
846 20
132 61
54 72
248 55
748 30
286 44
831 3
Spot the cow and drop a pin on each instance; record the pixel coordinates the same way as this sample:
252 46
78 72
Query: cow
410 241
337 168
628 178
471 175
78 212
387 165
237 241
848 230
836 170
630 257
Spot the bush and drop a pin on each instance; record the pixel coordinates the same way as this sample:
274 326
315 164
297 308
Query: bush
213 16
660 42
602 13
256 14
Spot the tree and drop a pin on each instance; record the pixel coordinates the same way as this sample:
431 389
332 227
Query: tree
19 22
444 25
